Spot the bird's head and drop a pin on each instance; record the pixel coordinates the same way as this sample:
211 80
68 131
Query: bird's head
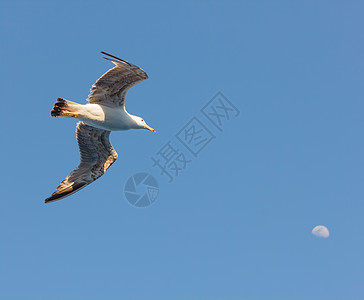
141 124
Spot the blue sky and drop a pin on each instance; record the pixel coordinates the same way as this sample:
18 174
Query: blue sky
236 223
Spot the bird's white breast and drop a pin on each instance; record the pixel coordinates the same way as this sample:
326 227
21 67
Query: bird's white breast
107 118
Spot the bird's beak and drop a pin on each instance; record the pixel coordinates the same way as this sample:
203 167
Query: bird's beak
149 128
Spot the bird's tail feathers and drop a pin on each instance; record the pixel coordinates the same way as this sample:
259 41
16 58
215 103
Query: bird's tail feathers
65 108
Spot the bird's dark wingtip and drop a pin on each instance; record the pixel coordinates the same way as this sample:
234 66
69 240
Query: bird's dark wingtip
50 199
117 58
47 200
60 195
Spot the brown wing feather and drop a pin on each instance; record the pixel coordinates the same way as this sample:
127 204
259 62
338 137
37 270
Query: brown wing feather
97 155
110 88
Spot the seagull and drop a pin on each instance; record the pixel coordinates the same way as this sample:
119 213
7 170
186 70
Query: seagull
104 112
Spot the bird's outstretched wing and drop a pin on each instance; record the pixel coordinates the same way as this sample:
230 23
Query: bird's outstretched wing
110 88
97 155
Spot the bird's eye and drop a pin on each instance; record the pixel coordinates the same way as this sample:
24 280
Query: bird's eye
142 120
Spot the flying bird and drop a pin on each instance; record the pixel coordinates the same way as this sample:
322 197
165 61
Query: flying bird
104 112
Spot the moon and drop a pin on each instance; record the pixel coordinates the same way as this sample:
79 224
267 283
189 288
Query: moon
321 231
